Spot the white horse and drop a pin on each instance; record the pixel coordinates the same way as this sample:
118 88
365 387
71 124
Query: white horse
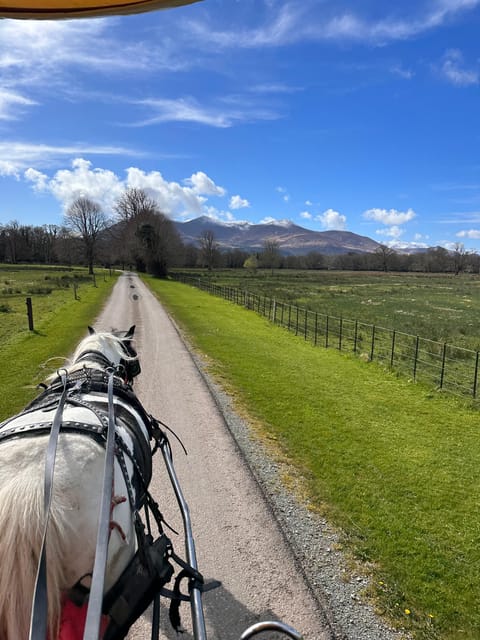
76 494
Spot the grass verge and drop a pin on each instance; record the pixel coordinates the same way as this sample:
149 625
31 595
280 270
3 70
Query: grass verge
60 323
395 466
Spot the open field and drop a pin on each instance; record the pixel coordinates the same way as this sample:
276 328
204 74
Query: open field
394 465
60 320
441 307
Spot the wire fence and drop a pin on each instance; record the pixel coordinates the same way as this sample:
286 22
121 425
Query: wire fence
441 365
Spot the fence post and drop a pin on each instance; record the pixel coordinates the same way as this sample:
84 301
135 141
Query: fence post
274 311
415 359
355 337
475 377
305 328
373 343
326 332
442 374
281 314
393 348
296 325
289 315
28 302
316 329
340 331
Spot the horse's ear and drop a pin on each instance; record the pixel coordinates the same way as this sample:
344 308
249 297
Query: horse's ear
91 330
130 332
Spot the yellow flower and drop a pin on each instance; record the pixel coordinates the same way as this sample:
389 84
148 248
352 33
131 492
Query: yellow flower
407 611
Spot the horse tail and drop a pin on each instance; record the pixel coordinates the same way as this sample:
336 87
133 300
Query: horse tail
21 532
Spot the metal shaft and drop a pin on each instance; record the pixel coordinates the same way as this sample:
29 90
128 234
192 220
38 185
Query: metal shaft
198 620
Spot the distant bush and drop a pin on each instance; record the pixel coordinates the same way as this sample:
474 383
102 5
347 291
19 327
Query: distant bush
40 291
5 308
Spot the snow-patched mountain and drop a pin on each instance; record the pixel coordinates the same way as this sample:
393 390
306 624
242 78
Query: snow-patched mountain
291 238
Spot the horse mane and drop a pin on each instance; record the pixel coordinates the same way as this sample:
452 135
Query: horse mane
107 343
110 345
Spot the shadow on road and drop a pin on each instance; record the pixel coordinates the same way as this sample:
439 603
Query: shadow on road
226 618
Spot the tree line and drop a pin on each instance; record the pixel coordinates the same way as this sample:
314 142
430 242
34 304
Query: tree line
139 236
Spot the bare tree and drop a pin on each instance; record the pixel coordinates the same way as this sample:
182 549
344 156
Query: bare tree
459 255
385 254
134 208
86 218
133 203
270 256
208 249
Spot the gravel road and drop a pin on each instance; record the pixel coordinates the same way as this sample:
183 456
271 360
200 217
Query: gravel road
274 558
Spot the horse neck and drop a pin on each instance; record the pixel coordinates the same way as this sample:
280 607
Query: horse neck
105 345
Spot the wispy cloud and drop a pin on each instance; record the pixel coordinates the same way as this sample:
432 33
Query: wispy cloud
12 104
290 23
190 110
454 70
17 156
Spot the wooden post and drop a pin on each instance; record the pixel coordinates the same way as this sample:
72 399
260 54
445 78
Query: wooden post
475 378
442 373
29 313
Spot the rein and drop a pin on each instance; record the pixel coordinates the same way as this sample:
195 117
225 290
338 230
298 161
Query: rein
94 612
38 623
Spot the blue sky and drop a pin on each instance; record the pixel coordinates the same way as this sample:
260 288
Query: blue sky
360 115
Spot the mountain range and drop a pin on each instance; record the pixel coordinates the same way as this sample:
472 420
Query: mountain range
291 238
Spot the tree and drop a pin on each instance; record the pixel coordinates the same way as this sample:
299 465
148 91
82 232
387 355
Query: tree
385 254
208 249
146 236
251 263
86 218
160 243
270 256
132 203
459 255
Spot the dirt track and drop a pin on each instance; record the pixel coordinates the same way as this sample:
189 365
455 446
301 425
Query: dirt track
237 538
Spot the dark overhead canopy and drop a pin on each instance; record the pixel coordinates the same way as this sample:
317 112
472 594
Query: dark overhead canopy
54 9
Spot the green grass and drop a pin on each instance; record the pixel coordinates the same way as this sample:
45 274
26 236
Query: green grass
442 307
394 465
60 321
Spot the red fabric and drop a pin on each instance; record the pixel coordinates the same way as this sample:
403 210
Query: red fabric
73 620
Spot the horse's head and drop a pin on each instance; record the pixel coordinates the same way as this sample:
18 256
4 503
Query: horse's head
109 349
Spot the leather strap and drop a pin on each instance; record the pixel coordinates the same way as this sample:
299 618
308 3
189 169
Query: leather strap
94 612
38 621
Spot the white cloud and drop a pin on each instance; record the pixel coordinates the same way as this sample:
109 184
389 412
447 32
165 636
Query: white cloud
284 193
236 202
392 232
306 215
453 70
473 234
331 219
105 187
389 216
66 185
202 184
